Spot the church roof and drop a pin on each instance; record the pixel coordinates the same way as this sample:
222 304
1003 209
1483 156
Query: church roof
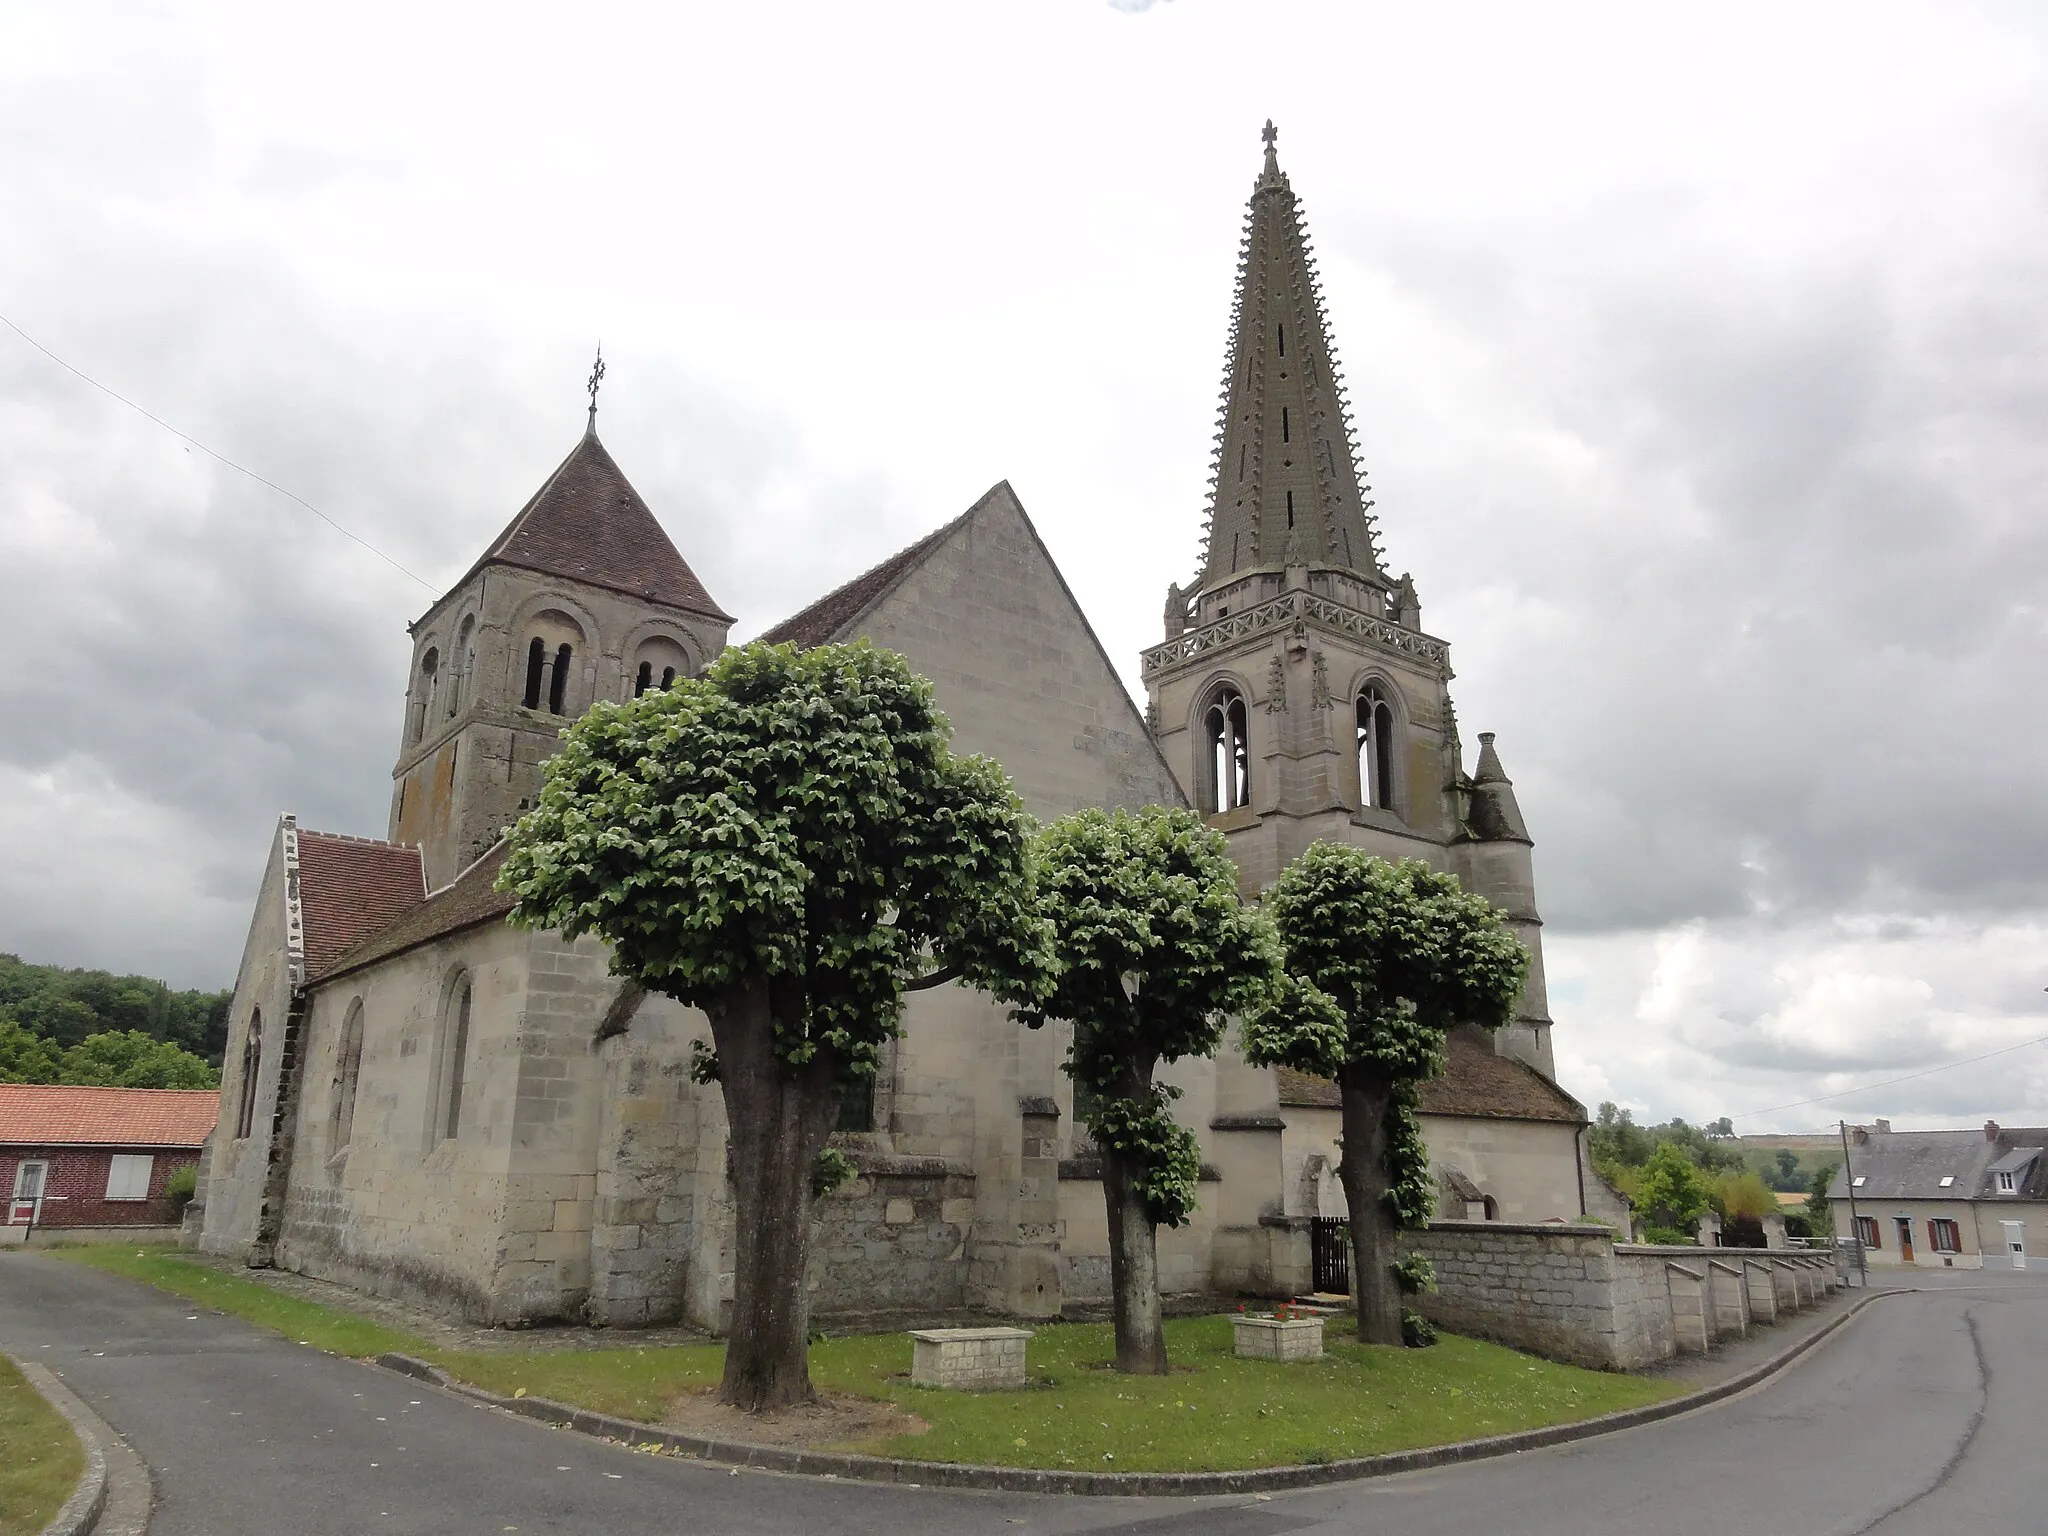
1494 815
1478 1083
464 902
350 888
839 610
1286 488
587 523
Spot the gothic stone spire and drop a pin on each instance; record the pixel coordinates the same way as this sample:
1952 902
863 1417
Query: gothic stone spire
1287 489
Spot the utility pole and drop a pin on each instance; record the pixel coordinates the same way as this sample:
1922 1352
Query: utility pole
1855 1223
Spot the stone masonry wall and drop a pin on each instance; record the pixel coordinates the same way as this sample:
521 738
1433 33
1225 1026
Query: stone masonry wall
894 1239
1549 1289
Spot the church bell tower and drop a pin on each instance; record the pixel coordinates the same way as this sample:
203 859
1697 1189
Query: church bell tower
1296 694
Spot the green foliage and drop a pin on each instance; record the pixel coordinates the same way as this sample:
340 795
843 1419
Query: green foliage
1672 1193
1417 1331
1620 1149
129 1059
26 1057
179 1189
1383 959
1820 1215
133 1060
1742 1196
64 1006
1668 1237
1415 1274
1155 951
791 817
832 1169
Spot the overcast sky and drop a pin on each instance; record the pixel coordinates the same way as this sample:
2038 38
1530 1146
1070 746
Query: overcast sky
1698 363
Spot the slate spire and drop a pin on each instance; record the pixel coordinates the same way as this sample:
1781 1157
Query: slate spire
1286 489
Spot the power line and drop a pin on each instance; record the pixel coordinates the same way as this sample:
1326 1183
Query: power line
1751 1114
211 453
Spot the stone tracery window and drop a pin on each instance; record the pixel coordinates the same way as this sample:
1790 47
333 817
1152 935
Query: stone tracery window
1226 752
1375 748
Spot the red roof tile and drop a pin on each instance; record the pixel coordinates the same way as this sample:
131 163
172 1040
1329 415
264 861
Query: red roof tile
467 901
350 888
38 1116
587 522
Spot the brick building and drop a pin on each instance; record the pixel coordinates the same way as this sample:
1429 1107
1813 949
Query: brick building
98 1157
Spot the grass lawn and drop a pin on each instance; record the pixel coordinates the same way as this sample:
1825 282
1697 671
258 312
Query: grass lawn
40 1457
1215 1412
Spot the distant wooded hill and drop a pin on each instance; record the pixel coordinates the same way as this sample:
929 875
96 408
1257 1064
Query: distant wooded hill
65 1007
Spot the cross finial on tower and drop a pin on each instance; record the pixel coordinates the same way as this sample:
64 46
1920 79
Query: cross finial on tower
1271 136
596 378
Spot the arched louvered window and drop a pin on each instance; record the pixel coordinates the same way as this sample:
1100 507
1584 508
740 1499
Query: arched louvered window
558 685
668 676
536 664
426 689
1227 763
1375 748
645 680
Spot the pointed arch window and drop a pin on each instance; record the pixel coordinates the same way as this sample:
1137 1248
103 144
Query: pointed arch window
1375 748
429 683
348 1066
454 1060
536 665
252 1068
461 664
1227 761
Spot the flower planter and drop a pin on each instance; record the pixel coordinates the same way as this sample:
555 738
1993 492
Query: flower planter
1272 1338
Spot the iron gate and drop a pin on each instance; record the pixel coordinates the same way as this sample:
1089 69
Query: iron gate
1329 1241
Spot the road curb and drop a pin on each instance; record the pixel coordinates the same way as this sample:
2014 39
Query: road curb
940 1474
81 1512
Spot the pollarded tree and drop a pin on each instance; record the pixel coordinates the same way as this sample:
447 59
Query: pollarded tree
1155 952
1383 960
789 844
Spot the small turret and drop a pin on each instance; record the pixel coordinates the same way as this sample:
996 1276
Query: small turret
1494 816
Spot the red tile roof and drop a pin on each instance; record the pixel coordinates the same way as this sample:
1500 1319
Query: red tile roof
38 1116
350 888
587 522
1478 1083
464 903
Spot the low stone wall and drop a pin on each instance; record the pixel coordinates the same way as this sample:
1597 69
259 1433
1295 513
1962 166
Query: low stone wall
1572 1293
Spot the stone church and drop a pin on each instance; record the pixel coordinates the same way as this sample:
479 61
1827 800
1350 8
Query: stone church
426 1102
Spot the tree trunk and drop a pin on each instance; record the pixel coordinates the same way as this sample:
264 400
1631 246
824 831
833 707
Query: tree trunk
1368 1100
1133 1273
778 1124
1133 1255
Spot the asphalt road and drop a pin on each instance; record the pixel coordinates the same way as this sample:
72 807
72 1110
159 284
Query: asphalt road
1923 1415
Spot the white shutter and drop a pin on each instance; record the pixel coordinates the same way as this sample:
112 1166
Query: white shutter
128 1176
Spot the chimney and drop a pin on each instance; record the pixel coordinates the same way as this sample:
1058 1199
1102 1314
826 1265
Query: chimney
1884 1127
1859 1135
1991 1130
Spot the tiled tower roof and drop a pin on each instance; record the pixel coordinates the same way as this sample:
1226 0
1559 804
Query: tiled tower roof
1287 490
587 522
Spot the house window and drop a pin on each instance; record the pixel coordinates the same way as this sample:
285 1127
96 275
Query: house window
1866 1232
1857 1182
1228 761
1943 1236
1375 748
28 1180
2005 1183
454 1061
348 1066
252 1063
128 1176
